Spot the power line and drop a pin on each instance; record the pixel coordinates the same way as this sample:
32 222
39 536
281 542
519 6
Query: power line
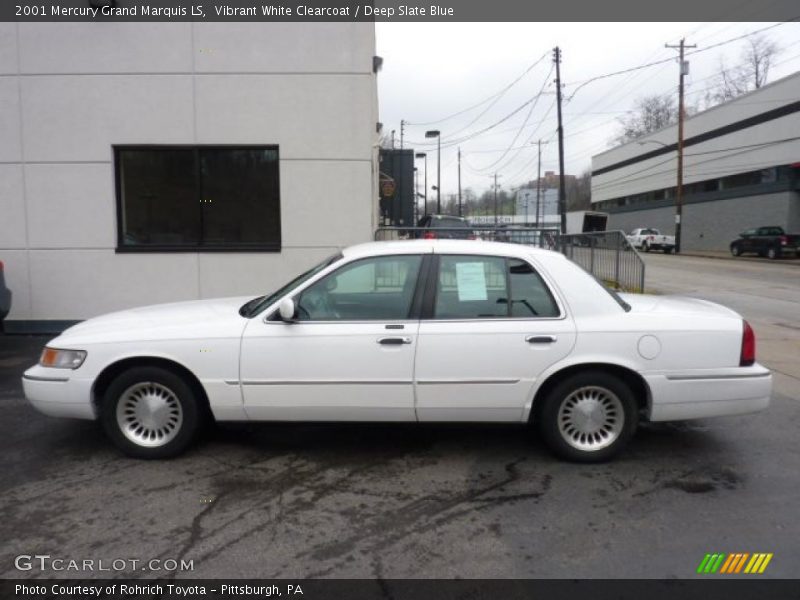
497 95
519 131
581 84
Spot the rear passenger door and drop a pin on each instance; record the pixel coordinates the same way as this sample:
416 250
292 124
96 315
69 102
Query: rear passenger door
491 325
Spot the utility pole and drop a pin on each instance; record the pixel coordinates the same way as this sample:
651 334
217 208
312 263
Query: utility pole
402 132
683 70
562 193
495 197
392 139
538 183
459 183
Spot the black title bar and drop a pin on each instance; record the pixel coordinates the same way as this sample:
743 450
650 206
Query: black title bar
400 10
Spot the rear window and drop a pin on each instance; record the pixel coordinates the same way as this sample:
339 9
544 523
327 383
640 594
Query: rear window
445 222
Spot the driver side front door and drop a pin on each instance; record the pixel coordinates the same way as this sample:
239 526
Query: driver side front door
349 356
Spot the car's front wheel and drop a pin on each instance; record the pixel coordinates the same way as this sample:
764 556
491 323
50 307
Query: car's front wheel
588 417
150 412
735 250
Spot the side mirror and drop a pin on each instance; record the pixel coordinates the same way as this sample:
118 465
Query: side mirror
287 310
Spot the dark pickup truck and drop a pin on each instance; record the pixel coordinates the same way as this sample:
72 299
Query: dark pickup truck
771 242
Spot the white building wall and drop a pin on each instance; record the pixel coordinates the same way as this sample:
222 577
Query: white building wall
70 91
717 157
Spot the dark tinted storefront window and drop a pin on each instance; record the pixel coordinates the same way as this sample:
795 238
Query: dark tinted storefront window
198 198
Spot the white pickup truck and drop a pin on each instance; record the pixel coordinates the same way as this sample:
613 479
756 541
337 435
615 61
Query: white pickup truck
647 239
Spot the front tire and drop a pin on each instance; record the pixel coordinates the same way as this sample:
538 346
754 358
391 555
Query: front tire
735 251
589 417
150 413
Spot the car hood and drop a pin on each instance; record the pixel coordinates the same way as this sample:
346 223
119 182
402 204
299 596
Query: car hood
197 318
676 305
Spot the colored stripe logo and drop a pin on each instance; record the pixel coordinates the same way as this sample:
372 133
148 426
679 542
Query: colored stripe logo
735 563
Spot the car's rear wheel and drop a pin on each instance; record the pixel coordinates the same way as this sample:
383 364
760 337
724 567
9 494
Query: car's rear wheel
646 247
772 253
150 412
588 417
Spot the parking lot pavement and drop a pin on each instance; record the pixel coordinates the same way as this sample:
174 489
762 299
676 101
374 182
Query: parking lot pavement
273 500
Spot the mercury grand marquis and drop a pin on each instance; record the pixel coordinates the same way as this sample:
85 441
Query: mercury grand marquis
422 331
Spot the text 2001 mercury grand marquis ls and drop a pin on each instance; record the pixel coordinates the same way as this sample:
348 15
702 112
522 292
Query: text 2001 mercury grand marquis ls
422 331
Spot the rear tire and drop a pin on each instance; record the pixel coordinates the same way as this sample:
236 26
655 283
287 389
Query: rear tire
772 253
589 417
646 247
150 413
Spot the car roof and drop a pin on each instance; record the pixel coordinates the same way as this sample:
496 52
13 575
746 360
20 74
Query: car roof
444 247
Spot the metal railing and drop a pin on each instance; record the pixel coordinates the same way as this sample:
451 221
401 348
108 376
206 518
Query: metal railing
605 254
608 256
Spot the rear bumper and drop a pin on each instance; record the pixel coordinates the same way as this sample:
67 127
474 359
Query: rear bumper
57 393
701 394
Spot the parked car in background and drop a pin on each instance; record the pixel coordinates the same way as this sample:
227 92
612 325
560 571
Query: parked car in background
770 241
5 296
449 227
647 239
409 331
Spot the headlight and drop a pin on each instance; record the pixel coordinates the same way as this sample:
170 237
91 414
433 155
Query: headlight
62 359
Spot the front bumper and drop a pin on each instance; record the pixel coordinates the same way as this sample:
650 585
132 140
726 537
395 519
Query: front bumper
58 392
699 394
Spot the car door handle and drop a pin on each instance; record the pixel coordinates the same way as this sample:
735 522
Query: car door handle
541 339
394 341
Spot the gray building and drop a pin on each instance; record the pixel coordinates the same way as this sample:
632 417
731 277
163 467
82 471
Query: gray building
176 161
741 170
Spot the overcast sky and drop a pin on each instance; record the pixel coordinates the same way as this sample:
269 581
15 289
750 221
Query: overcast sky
432 70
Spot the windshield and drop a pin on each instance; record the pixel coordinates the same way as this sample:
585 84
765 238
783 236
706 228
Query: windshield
252 307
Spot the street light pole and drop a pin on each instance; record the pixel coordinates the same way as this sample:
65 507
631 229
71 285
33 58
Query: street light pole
435 133
459 183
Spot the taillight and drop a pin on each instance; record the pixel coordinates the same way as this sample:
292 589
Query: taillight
472 237
784 240
429 235
748 356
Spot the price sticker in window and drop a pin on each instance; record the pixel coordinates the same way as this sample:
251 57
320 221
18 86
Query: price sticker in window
471 281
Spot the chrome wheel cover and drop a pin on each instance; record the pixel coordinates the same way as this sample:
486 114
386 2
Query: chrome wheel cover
149 414
591 418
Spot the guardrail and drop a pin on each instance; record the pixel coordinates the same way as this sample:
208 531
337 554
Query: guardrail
605 254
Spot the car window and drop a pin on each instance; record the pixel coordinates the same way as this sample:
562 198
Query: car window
452 223
477 287
529 294
471 287
378 288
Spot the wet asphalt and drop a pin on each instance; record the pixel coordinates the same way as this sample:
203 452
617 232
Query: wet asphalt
397 501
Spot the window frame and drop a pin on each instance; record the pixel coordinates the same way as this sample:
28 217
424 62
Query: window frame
428 308
121 248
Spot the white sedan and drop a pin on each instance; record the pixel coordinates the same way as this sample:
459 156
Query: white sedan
424 330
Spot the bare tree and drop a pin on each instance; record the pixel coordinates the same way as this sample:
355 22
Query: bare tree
579 192
749 74
650 113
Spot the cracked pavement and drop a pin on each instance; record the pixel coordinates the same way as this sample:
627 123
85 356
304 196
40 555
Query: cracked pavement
399 501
